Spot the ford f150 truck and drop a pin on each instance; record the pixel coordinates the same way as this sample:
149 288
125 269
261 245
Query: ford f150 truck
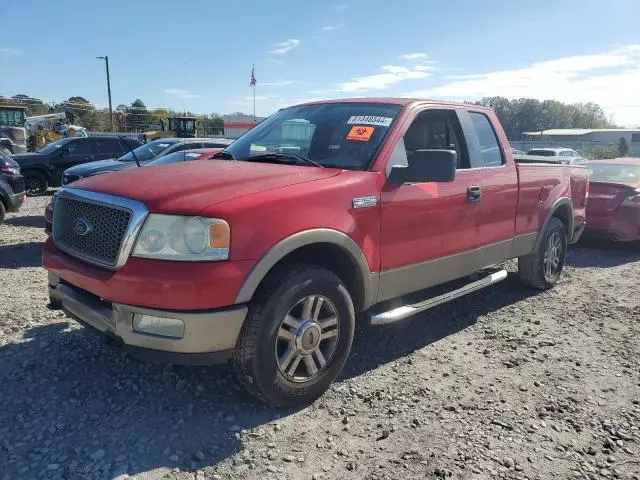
322 214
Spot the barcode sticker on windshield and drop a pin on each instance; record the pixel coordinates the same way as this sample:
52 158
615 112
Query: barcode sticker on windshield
360 133
370 120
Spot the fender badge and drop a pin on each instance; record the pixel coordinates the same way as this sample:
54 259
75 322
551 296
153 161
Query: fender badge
363 202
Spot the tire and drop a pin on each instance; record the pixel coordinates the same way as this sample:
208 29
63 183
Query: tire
262 345
35 183
534 269
3 212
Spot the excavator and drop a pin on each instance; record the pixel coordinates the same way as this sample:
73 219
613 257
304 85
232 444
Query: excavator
179 126
19 133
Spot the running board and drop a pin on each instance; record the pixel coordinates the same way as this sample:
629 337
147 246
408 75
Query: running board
407 311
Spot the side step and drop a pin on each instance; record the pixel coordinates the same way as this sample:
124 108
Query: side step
406 311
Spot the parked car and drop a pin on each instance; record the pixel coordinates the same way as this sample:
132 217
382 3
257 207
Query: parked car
564 155
180 156
323 213
613 209
515 151
145 153
11 186
185 156
43 169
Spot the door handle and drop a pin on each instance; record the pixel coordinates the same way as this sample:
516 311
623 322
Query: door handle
474 194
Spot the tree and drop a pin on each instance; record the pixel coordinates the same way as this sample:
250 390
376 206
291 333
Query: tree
83 112
623 147
139 117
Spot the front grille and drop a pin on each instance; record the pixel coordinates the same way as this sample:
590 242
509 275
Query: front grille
106 224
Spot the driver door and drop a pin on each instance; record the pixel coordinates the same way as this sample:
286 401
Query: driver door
429 231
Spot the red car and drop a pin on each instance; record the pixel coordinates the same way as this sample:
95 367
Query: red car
613 208
322 214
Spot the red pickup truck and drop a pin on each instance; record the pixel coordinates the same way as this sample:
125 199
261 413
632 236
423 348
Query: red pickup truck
318 217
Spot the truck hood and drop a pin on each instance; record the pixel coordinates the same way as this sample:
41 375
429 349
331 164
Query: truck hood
91 168
188 188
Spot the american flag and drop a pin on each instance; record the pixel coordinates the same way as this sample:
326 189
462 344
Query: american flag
252 82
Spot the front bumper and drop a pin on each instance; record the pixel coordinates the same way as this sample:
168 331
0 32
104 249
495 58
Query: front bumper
209 336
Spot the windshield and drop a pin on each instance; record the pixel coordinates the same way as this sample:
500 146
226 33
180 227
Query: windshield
183 156
340 135
146 152
542 153
52 147
629 174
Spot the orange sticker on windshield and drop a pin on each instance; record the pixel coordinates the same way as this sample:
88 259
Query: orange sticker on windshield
360 133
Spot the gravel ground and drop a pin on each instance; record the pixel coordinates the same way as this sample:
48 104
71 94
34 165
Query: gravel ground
504 383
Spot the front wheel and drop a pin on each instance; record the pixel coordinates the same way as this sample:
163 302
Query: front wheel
542 268
297 336
35 183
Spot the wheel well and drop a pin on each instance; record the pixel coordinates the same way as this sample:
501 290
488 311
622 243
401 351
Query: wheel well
37 169
333 258
563 213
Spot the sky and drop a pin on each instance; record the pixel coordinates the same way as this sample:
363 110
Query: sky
199 54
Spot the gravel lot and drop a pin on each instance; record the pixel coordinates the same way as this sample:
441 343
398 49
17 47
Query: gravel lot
504 383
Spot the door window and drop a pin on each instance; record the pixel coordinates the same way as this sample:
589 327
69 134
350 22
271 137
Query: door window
80 147
433 129
109 145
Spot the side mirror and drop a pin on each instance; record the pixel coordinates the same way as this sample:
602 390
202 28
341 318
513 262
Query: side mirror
426 166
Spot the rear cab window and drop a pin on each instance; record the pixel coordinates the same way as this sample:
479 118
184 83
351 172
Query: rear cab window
490 154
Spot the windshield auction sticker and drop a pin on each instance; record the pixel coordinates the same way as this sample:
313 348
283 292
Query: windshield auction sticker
360 133
370 120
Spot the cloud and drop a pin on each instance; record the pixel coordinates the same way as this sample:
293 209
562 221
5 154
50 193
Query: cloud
414 56
343 6
610 79
330 28
284 47
279 83
381 81
10 51
179 93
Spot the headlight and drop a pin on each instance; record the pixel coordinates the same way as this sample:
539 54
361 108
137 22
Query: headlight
174 237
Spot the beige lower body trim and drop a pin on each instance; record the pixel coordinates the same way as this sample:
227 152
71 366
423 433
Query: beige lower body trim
401 281
204 332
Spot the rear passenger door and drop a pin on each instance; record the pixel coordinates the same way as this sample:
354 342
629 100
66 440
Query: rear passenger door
107 148
496 182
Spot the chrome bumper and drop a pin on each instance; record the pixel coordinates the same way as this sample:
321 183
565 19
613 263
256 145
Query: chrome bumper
209 337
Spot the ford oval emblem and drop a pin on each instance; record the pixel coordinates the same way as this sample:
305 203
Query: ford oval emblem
81 227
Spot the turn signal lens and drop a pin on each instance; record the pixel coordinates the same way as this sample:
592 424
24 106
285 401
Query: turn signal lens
219 235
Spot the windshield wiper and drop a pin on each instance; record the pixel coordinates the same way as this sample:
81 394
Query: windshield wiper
284 156
123 143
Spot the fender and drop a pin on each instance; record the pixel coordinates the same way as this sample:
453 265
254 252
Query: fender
301 239
560 203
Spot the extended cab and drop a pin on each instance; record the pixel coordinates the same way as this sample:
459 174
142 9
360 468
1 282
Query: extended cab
321 214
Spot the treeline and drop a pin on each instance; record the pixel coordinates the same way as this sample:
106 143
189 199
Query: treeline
530 115
130 118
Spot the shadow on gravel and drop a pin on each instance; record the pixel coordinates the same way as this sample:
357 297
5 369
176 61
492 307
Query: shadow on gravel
83 409
374 346
21 255
33 221
594 253
74 407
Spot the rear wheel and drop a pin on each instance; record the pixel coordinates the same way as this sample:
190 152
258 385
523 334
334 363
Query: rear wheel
542 268
35 183
297 336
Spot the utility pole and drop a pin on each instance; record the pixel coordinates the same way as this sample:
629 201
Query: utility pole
106 61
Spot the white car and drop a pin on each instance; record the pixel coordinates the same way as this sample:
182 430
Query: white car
566 155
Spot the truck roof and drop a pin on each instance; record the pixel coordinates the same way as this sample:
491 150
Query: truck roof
397 101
